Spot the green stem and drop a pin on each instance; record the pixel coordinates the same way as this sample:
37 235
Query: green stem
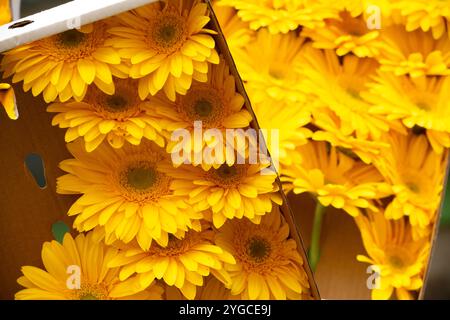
314 249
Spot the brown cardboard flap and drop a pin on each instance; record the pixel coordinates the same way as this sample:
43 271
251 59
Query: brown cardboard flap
27 212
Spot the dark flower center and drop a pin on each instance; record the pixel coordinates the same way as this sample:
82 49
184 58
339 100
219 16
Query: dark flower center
71 38
226 171
167 32
117 103
203 108
413 187
141 178
396 262
258 249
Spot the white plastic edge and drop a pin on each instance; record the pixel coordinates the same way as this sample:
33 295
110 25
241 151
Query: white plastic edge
62 18
15 9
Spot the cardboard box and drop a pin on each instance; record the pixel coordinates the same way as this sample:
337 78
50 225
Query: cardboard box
338 275
27 210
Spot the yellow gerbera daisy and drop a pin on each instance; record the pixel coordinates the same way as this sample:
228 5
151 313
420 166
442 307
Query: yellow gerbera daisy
5 12
345 34
117 118
237 191
335 179
365 8
398 258
125 191
283 127
77 269
268 265
427 15
341 87
423 102
216 104
267 67
414 53
281 16
64 65
237 32
416 174
183 263
167 45
8 100
439 140
212 289
329 130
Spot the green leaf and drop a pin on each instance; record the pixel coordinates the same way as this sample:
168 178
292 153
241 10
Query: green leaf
59 229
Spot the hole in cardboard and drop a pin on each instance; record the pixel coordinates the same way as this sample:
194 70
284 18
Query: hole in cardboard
20 24
35 166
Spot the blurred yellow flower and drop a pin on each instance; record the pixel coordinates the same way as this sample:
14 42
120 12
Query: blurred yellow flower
427 15
281 16
183 263
125 191
5 12
423 102
364 7
115 118
329 125
345 34
416 174
8 100
268 265
393 253
335 179
283 127
414 53
96 282
267 67
341 87
237 32
439 140
64 65
167 45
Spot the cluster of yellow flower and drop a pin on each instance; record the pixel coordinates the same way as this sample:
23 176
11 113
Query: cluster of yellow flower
360 93
150 229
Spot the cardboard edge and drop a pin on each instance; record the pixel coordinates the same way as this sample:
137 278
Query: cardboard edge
284 208
435 231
